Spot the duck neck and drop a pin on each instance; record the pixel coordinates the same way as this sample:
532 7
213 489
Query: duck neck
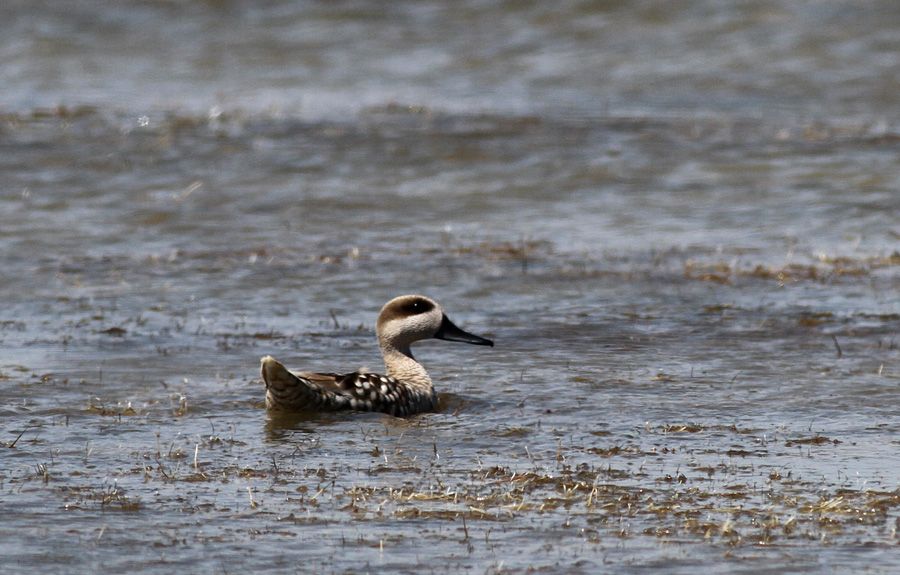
400 364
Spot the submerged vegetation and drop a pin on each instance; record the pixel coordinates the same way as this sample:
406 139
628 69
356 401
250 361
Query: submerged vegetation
676 483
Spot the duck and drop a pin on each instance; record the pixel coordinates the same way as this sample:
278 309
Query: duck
405 388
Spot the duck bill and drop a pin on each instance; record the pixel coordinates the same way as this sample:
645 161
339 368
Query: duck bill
449 332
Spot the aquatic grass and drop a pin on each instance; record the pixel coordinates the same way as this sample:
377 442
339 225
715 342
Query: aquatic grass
590 492
107 498
814 440
97 407
824 269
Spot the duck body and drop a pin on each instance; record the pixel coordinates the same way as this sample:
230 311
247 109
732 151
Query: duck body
405 389
358 391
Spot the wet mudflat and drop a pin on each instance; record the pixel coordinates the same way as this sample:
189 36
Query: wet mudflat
694 303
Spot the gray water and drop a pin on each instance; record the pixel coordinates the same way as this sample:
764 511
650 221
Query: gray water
678 222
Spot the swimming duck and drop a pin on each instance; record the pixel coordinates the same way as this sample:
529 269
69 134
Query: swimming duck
404 390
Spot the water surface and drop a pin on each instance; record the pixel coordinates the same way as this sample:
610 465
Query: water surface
679 225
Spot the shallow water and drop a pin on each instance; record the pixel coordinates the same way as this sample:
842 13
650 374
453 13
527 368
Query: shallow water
680 227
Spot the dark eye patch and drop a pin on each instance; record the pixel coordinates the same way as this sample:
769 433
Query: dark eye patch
417 306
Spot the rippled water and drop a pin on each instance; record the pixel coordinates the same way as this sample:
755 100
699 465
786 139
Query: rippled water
679 223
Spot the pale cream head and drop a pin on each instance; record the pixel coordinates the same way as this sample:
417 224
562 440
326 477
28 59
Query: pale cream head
407 319
410 318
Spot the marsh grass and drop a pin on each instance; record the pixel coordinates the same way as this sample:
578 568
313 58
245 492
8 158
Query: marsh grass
603 495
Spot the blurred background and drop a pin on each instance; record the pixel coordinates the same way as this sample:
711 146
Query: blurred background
333 60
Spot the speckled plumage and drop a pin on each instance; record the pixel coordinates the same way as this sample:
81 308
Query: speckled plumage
405 390
286 391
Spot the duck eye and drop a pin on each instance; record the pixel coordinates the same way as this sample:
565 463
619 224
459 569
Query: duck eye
417 306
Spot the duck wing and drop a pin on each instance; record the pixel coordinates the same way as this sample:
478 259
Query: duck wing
360 391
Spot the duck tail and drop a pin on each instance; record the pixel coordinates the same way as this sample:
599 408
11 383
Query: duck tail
286 391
